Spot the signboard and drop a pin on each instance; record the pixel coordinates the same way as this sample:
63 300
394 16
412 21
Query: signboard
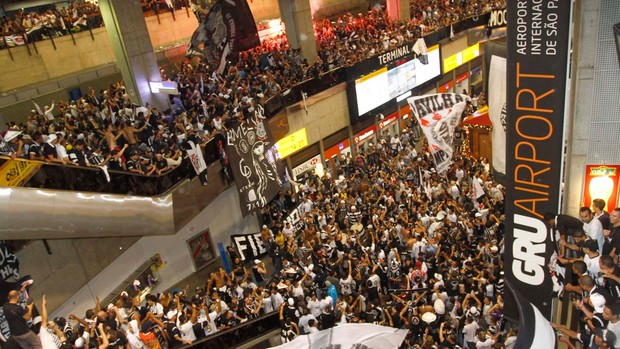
538 44
461 78
447 87
16 173
390 119
460 58
368 132
201 249
601 183
307 166
497 19
249 246
292 143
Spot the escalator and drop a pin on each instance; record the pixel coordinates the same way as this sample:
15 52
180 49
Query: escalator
41 200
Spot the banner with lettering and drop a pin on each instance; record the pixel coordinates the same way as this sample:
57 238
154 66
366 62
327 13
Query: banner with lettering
16 173
438 116
254 164
226 30
538 44
249 246
497 111
9 269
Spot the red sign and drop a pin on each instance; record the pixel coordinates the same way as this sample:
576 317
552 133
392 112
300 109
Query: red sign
386 121
368 132
445 87
602 183
336 149
461 78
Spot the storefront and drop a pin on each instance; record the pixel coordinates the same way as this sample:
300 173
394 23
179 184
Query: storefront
461 81
305 160
314 163
336 145
365 137
389 125
475 76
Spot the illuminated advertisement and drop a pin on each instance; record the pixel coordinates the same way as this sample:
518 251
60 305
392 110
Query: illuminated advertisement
292 143
601 183
460 58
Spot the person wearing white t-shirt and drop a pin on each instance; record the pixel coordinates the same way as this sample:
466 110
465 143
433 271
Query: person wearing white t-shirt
469 331
186 324
592 227
314 306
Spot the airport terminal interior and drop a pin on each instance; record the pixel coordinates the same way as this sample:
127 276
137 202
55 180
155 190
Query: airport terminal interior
309 174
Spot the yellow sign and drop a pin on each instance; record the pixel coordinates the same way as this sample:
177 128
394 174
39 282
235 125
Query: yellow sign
461 58
15 173
292 143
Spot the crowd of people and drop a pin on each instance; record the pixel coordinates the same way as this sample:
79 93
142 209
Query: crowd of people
106 128
53 22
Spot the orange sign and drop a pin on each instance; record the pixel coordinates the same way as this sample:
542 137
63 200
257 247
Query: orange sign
602 183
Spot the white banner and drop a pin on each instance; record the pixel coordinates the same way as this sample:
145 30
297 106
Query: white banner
195 156
249 246
497 111
438 116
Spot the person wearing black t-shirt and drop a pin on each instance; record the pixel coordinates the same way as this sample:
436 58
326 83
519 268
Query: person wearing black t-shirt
117 339
16 317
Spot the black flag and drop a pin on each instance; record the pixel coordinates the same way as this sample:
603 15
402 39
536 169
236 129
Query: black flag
253 161
227 29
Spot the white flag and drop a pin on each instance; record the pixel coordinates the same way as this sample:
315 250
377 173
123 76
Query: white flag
497 111
195 156
438 116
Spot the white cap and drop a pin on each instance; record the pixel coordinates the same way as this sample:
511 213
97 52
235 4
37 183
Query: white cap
429 317
257 261
291 301
473 311
438 277
51 138
171 313
353 207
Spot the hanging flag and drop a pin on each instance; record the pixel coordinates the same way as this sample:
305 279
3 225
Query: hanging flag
254 164
536 83
228 29
438 116
497 110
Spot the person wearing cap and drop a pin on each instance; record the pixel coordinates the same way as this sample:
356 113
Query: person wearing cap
49 149
11 144
259 272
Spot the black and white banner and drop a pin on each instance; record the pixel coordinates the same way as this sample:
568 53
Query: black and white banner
538 44
249 246
497 110
295 218
438 116
196 158
254 165
228 29
9 269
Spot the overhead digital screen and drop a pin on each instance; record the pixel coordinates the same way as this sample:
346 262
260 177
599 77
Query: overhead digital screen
380 86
